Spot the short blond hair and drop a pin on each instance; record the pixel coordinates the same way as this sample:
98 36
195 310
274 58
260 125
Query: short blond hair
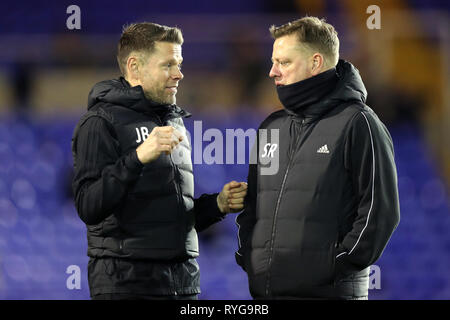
314 34
141 37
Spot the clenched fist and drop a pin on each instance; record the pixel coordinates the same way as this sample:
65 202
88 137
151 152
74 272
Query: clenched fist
231 198
161 139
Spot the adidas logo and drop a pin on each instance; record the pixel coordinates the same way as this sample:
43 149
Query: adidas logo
323 149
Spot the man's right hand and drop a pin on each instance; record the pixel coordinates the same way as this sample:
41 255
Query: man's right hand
161 139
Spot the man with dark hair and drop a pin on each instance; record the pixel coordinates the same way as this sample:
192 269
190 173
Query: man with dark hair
133 181
312 230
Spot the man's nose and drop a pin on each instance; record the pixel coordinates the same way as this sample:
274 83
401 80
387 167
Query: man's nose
274 72
178 75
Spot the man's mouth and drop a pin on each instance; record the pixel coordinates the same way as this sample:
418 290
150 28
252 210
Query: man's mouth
172 88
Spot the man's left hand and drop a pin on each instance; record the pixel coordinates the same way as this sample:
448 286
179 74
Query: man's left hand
231 198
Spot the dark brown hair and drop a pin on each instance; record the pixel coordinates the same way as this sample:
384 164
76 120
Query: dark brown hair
314 34
141 37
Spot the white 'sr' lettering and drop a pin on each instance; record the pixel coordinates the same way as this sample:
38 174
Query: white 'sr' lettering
269 150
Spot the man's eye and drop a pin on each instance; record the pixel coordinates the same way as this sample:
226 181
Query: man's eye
170 65
284 63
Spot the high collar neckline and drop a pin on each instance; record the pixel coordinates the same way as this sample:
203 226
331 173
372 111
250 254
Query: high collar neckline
302 98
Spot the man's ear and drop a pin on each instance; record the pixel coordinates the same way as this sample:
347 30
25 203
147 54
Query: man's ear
133 67
317 64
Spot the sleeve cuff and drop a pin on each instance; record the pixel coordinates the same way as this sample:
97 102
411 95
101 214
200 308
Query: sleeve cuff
215 211
345 267
133 163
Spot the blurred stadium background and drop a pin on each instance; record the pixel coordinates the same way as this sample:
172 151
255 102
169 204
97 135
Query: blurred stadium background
46 72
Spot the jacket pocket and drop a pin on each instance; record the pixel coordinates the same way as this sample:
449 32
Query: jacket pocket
339 272
321 266
302 268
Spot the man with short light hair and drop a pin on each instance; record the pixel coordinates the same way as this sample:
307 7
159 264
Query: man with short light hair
312 230
313 35
136 199
135 52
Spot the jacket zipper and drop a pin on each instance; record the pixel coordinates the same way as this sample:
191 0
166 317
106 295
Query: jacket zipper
174 281
175 172
272 237
179 199
177 187
161 122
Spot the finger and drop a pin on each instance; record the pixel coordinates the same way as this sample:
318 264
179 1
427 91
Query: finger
174 144
236 195
242 186
165 147
158 131
235 200
166 129
235 184
178 135
176 139
232 184
165 141
166 135
236 207
238 189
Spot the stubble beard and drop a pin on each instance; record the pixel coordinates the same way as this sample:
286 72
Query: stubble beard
160 97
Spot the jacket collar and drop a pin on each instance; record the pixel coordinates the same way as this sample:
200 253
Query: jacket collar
312 98
150 107
302 99
119 92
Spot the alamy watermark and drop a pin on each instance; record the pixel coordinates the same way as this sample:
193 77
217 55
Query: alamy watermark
374 20
74 279
212 146
262 147
74 20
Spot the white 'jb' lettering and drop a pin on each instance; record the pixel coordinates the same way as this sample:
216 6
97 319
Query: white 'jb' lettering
142 134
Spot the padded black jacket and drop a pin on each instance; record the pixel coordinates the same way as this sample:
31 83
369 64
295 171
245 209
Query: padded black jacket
312 229
141 219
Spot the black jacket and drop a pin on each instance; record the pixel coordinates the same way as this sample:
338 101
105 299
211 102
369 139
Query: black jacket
312 229
141 219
